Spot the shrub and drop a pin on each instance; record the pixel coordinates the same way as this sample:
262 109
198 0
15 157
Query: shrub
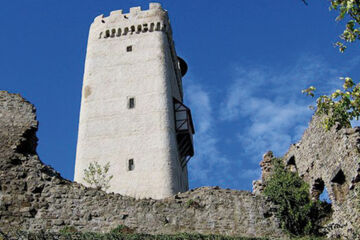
68 229
122 229
296 212
97 175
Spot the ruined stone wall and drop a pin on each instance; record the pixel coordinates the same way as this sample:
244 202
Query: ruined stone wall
33 196
331 160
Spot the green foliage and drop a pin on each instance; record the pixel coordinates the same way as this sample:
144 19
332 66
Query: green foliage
122 229
343 105
97 175
340 106
349 10
296 212
123 232
68 230
192 203
133 236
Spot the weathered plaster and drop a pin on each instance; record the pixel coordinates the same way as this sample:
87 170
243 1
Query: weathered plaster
108 130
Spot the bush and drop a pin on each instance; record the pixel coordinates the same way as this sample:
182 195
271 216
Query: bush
96 175
296 212
68 229
122 229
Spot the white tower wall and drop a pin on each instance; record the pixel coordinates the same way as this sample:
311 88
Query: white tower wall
111 132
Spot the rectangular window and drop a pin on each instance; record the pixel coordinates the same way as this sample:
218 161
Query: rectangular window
131 165
131 102
129 48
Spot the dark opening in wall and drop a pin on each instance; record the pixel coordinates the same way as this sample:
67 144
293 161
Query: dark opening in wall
324 196
291 160
339 186
131 103
113 32
107 33
131 165
129 48
291 164
317 189
339 177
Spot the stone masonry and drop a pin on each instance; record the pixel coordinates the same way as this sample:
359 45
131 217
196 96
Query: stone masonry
34 196
331 160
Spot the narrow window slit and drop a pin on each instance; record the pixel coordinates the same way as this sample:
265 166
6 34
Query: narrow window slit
131 103
132 29
113 32
118 32
107 33
131 165
152 26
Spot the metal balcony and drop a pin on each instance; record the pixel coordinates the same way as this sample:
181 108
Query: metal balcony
184 130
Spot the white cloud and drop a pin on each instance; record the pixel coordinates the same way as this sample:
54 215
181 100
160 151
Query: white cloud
270 102
204 166
268 106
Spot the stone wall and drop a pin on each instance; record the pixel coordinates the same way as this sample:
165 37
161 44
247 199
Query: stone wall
331 160
33 196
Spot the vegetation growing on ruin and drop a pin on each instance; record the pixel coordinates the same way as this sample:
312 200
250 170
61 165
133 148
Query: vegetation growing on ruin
298 214
342 105
124 232
97 175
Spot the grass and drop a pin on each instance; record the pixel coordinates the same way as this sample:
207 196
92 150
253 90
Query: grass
123 232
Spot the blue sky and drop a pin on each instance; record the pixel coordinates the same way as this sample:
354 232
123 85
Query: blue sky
248 62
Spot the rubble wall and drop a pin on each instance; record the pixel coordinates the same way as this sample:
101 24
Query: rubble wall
35 197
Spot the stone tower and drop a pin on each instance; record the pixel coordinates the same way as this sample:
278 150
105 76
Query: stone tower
132 113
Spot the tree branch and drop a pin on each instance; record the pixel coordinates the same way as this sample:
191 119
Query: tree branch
304 1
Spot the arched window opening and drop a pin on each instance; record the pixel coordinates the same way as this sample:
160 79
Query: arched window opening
152 26
118 32
139 29
113 32
126 30
291 164
339 186
157 26
132 29
145 27
107 33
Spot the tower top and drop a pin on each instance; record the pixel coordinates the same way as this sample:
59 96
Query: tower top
134 13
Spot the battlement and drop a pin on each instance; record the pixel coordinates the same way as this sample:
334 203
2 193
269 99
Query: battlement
136 21
134 13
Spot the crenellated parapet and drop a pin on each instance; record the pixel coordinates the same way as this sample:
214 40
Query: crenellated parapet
136 21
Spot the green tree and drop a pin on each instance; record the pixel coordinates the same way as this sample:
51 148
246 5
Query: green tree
296 212
342 105
97 175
